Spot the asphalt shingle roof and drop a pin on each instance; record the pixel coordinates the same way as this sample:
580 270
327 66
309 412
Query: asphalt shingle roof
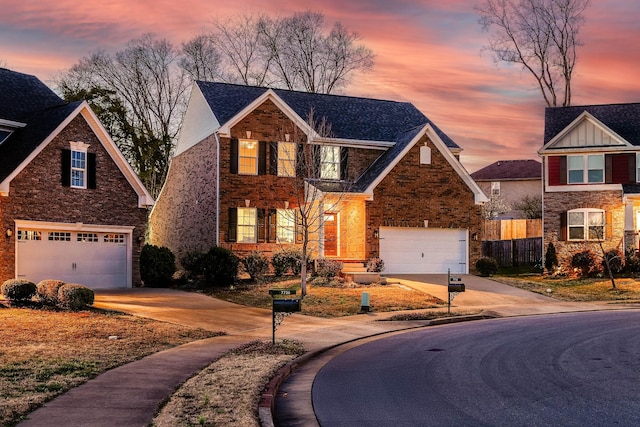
25 99
624 119
509 169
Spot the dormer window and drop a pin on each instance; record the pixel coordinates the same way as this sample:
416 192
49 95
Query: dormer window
4 134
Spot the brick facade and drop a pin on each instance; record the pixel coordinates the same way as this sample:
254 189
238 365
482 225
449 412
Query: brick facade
36 194
556 203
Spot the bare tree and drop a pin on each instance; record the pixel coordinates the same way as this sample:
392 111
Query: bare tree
496 205
530 206
145 79
201 59
539 35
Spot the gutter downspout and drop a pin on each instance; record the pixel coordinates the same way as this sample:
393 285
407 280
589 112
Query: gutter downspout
217 188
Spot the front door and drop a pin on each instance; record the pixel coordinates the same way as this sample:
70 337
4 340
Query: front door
330 234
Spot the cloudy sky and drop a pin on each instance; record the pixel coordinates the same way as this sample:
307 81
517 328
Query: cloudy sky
428 52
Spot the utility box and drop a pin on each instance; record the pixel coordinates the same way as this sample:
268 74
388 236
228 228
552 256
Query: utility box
290 305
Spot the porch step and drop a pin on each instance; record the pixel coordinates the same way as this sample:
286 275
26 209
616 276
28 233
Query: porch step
353 267
363 278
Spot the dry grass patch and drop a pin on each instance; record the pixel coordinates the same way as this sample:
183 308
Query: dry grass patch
44 353
334 301
227 392
570 289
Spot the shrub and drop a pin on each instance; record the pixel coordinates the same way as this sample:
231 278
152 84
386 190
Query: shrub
18 290
220 266
256 265
282 261
47 291
375 265
487 266
328 268
157 265
585 262
74 296
632 262
550 258
615 261
193 263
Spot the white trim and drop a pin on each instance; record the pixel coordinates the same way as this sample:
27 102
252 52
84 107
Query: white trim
428 130
355 143
78 227
624 144
581 187
12 124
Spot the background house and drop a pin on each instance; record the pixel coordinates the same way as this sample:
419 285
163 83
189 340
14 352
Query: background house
71 207
509 182
387 181
591 178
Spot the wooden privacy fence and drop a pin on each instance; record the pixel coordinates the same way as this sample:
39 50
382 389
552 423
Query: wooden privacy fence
514 253
508 229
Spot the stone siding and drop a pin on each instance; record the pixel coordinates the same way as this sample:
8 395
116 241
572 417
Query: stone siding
36 194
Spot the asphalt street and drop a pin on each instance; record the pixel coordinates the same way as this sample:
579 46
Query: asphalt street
578 369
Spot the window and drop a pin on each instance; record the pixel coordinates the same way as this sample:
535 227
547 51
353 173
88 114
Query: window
87 237
78 169
330 162
286 225
247 221
638 167
586 224
495 188
286 159
4 134
248 157
29 235
59 236
113 238
592 173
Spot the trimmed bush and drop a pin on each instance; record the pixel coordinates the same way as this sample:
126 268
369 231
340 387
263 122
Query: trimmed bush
18 290
157 265
47 291
283 261
585 262
375 265
632 262
74 296
551 258
487 266
256 265
328 268
220 267
615 261
193 263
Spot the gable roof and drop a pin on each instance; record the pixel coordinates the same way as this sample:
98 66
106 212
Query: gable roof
36 115
623 119
350 117
503 170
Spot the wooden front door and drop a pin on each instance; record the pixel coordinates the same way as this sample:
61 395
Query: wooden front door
330 234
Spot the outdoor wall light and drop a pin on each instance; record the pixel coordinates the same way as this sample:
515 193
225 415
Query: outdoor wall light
8 233
375 234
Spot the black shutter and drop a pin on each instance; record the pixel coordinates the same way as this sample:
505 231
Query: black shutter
563 170
608 168
272 225
316 151
262 158
66 168
91 171
262 226
344 158
273 158
232 235
632 167
563 226
233 157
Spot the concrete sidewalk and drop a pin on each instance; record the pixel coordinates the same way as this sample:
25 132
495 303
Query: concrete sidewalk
131 394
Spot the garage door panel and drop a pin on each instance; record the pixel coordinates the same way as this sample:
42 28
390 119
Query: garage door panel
423 251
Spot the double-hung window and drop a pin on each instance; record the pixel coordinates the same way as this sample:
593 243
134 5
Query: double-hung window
495 188
330 162
78 169
247 225
586 224
286 225
286 159
248 157
585 169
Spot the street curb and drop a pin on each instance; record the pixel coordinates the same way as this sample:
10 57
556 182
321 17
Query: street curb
268 397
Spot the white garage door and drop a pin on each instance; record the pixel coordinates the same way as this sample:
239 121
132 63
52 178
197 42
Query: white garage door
423 250
96 260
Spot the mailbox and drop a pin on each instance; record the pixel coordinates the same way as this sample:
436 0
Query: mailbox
456 287
290 305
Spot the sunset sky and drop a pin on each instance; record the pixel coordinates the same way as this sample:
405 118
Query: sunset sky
428 52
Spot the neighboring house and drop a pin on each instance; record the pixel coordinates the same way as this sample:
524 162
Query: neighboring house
71 207
390 181
591 178
510 181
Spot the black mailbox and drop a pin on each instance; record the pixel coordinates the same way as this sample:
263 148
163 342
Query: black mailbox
456 287
290 305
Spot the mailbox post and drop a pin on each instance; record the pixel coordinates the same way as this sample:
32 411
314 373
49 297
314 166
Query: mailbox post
282 307
454 287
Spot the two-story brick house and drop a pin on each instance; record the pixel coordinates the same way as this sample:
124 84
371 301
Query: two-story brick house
386 181
71 207
591 191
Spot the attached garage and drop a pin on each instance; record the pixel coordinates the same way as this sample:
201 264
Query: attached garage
424 250
95 256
